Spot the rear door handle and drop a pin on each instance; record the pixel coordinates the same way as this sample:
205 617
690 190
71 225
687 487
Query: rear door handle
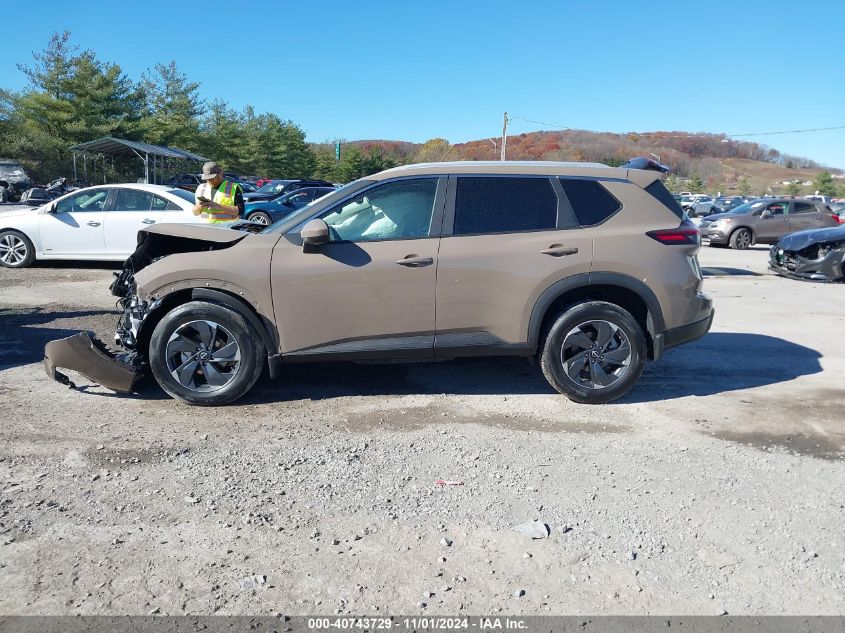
559 250
92 223
148 221
415 261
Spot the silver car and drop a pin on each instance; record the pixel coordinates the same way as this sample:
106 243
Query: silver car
764 221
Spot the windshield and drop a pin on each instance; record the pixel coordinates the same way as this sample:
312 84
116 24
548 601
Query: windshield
185 195
748 207
11 170
296 217
271 187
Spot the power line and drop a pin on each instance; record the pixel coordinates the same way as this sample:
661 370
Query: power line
561 128
814 129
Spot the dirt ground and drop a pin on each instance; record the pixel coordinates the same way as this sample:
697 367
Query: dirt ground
715 486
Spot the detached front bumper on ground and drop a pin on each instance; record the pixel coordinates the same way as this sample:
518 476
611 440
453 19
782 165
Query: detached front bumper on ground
91 358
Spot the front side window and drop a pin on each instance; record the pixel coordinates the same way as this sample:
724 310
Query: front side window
591 202
86 201
392 211
777 208
133 200
508 204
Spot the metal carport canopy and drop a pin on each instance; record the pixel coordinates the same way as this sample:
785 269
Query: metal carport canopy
122 147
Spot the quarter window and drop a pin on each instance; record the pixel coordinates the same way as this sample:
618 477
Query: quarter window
394 210
504 205
591 203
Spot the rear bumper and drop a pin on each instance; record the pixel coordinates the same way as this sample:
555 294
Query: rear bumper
685 333
88 356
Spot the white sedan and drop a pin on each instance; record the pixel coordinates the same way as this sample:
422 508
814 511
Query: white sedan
95 223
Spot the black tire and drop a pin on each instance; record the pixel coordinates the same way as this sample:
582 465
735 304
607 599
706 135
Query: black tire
261 217
741 239
230 325
4 194
577 319
24 251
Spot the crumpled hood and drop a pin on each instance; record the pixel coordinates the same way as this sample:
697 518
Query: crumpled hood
802 239
218 233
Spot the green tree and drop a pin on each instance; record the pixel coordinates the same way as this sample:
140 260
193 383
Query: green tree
672 183
172 107
71 97
326 167
696 184
824 184
744 186
794 188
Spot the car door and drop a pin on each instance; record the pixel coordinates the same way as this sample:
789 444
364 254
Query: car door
806 215
772 222
74 226
505 240
130 211
370 290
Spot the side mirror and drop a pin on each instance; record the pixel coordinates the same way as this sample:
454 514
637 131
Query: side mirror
314 233
288 203
766 213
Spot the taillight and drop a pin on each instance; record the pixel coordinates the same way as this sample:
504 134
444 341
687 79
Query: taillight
682 235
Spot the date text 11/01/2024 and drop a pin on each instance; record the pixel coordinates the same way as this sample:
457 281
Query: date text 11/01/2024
417 623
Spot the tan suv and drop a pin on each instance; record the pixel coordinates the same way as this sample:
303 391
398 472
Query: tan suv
590 268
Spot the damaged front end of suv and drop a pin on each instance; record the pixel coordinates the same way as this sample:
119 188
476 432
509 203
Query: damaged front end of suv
817 255
89 356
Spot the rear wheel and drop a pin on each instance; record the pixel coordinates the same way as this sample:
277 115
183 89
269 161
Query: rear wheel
4 194
741 239
260 217
205 354
594 352
16 250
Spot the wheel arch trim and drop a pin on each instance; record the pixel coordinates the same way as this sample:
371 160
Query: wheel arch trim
585 280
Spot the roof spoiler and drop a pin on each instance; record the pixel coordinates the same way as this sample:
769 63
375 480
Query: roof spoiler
646 163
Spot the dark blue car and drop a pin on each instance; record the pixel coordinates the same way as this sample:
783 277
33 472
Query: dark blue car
269 211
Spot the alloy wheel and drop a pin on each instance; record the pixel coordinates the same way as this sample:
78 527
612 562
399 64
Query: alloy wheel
259 218
596 354
203 356
13 250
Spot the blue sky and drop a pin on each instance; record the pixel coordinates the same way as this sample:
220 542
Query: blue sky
413 70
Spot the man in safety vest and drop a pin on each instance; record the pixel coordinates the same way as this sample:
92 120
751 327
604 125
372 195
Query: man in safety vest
218 198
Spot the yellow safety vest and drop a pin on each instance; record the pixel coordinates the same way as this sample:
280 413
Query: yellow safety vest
225 194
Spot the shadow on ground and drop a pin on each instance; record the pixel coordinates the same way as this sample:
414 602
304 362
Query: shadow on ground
23 334
721 362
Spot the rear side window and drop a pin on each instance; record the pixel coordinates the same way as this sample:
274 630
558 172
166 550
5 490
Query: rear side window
660 192
803 207
591 203
504 205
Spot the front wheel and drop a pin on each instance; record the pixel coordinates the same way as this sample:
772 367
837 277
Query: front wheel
594 352
259 217
16 250
741 239
205 354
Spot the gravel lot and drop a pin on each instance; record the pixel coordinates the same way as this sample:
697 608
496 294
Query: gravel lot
715 486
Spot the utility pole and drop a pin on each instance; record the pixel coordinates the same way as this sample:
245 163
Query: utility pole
505 136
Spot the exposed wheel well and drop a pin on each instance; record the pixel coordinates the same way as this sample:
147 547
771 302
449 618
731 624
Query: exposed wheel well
617 295
223 297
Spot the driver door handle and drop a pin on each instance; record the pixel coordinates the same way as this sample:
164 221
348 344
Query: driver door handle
148 221
559 250
415 261
92 223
